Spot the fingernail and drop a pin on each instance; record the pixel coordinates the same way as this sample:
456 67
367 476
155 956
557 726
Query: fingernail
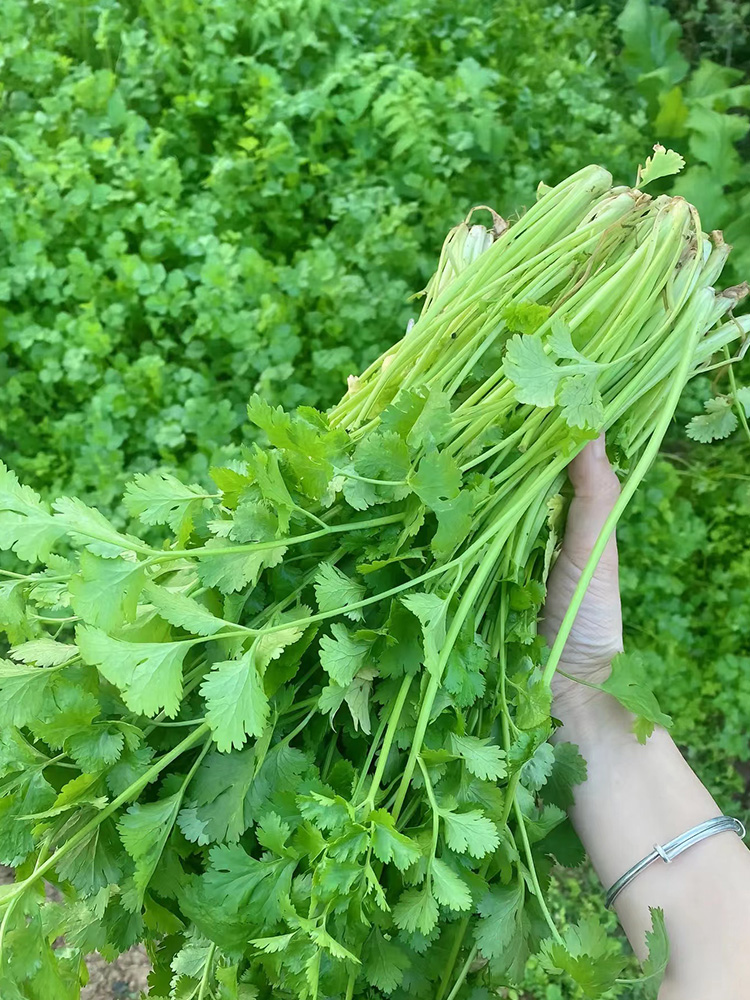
599 448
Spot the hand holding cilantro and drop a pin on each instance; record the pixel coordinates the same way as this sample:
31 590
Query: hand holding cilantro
634 794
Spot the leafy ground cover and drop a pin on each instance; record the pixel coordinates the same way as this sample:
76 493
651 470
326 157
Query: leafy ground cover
196 206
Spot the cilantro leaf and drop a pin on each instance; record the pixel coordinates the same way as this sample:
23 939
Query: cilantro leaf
356 696
384 962
658 955
179 609
525 317
591 959
26 523
219 810
160 498
454 523
628 683
464 672
253 521
96 861
382 455
13 620
581 402
532 371
342 655
716 423
663 163
105 591
236 704
416 910
560 341
144 830
421 416
533 701
239 897
27 693
437 480
265 471
46 652
469 832
231 571
431 611
87 526
26 792
389 844
538 768
742 395
334 589
500 910
99 745
568 770
482 758
448 887
149 674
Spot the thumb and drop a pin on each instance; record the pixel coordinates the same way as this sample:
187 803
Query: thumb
596 489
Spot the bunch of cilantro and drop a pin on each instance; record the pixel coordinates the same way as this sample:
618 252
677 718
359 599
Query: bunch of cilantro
300 746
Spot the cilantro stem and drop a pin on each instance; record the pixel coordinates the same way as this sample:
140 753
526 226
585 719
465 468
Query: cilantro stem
329 755
375 743
13 900
579 680
372 482
459 939
178 725
463 973
430 792
204 552
350 984
390 734
481 573
733 386
633 480
532 871
298 729
207 972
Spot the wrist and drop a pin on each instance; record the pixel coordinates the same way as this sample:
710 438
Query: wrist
573 688
586 711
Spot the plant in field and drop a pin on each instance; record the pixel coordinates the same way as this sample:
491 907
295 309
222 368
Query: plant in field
300 746
701 111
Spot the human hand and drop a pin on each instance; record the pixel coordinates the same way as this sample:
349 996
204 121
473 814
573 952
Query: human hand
596 636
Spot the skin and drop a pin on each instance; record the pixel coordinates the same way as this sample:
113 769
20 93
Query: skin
638 796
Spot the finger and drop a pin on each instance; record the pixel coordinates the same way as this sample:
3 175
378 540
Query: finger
596 491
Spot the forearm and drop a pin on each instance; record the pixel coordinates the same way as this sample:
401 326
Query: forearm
635 797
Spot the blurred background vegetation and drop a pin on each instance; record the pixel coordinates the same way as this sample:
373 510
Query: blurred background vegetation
202 200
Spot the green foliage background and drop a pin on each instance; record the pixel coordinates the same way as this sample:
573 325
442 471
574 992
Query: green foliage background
199 201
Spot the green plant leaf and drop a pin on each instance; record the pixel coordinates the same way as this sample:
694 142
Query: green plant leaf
149 674
334 589
628 683
663 163
469 832
236 704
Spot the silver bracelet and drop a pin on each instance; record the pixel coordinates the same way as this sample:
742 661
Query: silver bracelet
667 853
